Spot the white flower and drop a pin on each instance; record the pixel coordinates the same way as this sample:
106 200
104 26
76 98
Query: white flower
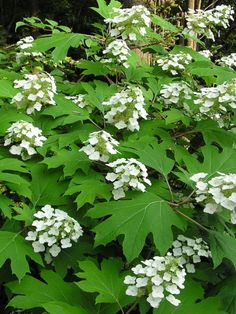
189 252
217 194
100 146
174 63
228 61
37 90
23 138
175 93
54 231
217 102
38 247
129 23
200 22
117 50
25 43
196 177
23 56
206 53
128 174
54 250
80 101
157 279
170 298
132 291
126 107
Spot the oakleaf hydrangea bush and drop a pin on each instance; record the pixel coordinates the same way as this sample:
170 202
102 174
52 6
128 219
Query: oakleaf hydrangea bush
117 166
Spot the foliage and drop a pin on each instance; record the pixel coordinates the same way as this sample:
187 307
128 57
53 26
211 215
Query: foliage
171 138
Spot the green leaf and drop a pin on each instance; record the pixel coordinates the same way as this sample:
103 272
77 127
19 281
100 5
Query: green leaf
105 10
107 281
7 90
222 246
192 301
33 293
69 258
14 247
70 160
154 156
214 160
146 213
15 181
227 294
89 188
213 134
12 165
175 115
46 187
8 116
93 67
66 108
24 213
5 203
61 42
58 307
164 24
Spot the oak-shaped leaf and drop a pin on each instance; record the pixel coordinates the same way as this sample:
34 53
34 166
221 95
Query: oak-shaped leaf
88 188
107 281
135 219
34 293
222 246
14 247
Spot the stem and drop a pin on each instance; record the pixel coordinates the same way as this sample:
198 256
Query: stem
185 133
169 187
94 123
191 220
184 201
132 308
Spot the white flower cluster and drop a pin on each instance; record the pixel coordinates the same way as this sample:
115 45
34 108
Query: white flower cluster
228 61
129 23
175 93
206 53
54 230
100 145
25 43
80 101
128 173
215 102
189 251
127 107
118 50
174 63
202 22
23 55
217 193
38 90
23 138
160 278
